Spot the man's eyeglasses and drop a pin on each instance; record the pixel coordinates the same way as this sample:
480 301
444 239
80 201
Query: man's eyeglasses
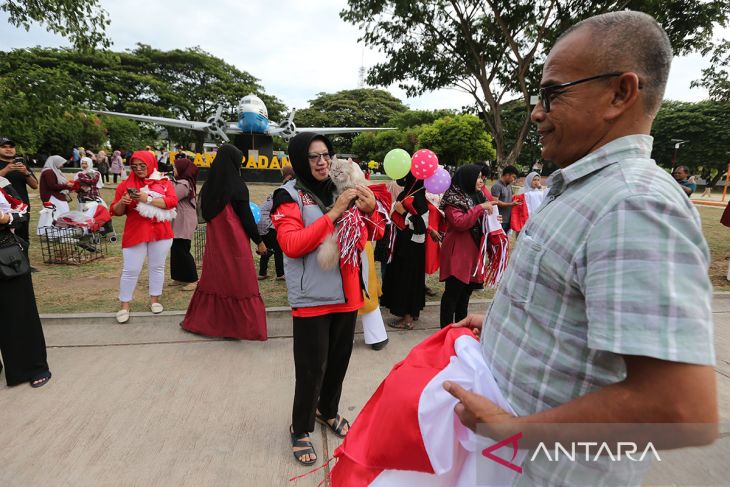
548 93
315 157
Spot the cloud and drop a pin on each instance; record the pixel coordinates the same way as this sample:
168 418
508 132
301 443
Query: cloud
296 48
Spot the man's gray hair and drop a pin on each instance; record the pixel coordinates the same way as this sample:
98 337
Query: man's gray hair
631 41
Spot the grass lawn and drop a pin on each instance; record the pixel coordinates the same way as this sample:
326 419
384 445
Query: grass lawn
94 287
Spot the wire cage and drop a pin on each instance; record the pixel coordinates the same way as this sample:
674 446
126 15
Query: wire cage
199 244
72 246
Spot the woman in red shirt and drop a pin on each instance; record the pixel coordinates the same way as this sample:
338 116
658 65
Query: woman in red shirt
324 302
148 200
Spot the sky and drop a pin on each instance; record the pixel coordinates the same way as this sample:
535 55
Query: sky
296 48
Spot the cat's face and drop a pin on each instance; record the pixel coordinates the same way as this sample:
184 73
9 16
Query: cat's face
345 173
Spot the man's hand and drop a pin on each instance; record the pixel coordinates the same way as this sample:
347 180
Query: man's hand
365 201
473 322
473 409
261 248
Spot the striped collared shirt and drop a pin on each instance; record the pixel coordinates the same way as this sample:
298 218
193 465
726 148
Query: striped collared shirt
614 262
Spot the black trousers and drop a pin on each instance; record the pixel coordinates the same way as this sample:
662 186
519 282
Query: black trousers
115 176
273 249
322 349
455 301
182 263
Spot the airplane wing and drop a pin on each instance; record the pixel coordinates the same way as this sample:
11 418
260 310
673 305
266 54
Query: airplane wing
170 122
341 130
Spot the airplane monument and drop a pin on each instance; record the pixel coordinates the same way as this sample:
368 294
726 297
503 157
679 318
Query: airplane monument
253 133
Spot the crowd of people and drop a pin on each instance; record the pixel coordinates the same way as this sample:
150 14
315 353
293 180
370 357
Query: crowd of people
577 333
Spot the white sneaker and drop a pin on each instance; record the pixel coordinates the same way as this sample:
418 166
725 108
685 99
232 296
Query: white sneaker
122 316
156 308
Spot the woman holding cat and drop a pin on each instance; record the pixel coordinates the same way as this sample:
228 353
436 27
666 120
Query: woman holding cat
324 302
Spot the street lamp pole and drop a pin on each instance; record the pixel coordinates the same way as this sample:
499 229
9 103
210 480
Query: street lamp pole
678 143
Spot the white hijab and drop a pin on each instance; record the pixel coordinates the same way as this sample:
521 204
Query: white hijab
527 186
90 171
55 163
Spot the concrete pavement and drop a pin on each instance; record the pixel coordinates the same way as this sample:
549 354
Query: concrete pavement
148 404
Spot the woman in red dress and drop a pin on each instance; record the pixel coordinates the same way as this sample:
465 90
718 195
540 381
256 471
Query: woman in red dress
227 302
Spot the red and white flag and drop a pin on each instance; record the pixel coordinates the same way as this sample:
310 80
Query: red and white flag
408 434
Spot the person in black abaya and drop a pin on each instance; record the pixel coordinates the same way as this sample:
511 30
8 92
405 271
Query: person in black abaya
404 287
227 301
22 343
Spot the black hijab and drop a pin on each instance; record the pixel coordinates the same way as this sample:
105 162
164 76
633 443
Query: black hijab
224 182
414 187
322 191
462 194
466 179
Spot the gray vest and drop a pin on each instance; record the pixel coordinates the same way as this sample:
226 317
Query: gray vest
307 283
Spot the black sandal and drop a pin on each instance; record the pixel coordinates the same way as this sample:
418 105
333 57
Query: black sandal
297 442
40 381
337 426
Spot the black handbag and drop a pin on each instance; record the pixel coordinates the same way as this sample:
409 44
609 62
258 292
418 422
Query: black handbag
13 262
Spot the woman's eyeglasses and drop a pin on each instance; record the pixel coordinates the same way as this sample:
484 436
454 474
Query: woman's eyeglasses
315 157
138 166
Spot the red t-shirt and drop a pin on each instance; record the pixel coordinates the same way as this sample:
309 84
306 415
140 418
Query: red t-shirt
296 241
139 229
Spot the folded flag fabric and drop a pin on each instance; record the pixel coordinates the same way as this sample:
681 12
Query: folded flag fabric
408 434
494 250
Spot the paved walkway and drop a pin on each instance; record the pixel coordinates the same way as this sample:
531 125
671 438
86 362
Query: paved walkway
148 404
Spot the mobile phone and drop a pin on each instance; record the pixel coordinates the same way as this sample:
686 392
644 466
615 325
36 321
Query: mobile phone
132 191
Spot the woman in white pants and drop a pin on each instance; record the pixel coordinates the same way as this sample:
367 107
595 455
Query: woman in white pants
148 200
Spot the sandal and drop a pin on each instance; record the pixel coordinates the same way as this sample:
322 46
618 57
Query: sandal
336 426
402 324
40 381
297 442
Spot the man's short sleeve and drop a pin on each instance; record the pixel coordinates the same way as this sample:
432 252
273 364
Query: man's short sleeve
646 282
497 191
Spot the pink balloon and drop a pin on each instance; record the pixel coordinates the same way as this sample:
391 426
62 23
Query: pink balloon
439 182
424 164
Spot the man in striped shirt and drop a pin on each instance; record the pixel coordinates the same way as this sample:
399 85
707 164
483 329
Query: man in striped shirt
603 315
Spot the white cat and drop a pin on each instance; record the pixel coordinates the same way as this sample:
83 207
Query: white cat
345 174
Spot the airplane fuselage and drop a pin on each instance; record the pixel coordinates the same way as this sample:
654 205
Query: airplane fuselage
252 115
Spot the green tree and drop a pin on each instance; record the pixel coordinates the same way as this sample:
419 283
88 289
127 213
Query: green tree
128 133
493 49
364 107
414 118
45 83
457 140
82 21
705 126
716 78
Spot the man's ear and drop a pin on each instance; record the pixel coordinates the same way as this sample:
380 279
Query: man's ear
626 90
